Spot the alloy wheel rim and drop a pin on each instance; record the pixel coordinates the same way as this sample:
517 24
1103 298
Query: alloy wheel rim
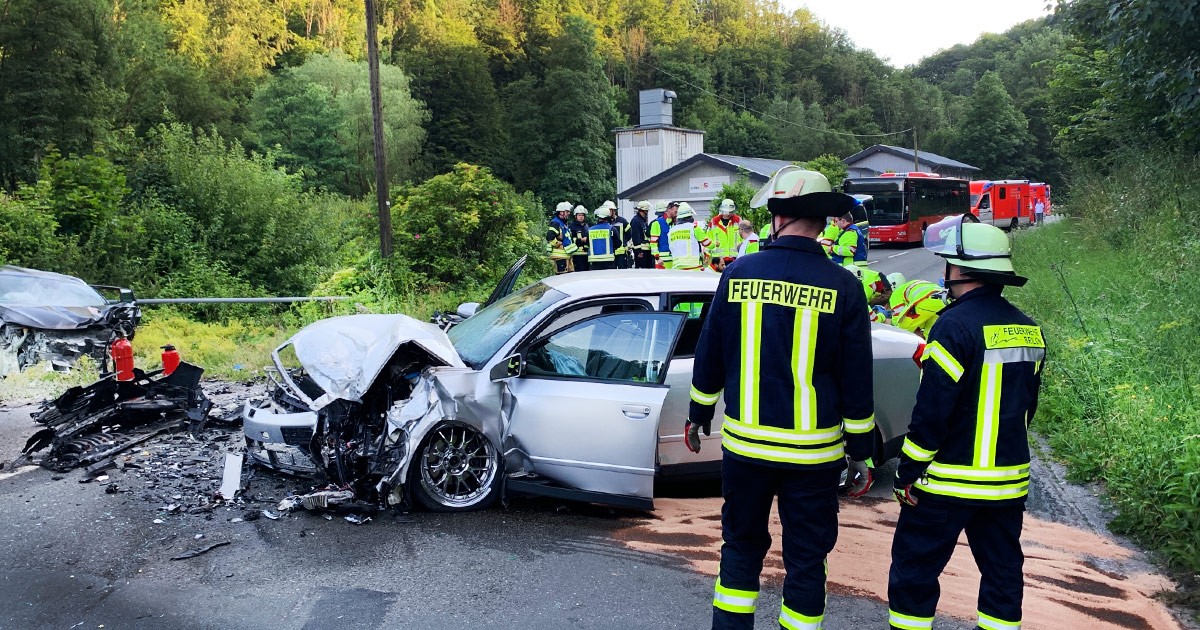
458 465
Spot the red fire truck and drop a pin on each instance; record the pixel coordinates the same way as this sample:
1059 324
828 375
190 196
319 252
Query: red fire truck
1006 203
1041 192
902 205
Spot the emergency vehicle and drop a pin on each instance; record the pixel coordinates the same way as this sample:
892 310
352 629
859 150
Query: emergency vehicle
902 205
1006 203
1041 191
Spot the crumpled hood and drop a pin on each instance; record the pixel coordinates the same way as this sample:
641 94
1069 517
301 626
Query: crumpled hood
52 317
344 355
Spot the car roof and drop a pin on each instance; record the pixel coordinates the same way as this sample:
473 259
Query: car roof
626 281
11 270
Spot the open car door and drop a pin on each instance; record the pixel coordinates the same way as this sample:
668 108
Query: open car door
586 407
507 281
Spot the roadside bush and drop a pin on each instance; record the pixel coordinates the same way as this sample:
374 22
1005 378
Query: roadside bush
1115 291
463 229
27 234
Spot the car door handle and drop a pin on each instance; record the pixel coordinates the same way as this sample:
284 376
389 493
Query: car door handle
635 412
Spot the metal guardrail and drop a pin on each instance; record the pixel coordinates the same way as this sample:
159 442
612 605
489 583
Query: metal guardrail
254 300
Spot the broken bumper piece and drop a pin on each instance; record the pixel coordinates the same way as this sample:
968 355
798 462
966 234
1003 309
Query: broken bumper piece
277 438
88 424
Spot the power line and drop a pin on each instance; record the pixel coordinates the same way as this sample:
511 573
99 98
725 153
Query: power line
782 120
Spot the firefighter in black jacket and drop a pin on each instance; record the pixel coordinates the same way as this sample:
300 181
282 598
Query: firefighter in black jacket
639 233
965 461
789 342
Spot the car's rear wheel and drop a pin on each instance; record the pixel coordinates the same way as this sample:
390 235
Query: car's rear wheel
457 469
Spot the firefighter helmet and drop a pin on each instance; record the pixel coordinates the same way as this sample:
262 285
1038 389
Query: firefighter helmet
727 207
563 206
982 251
644 205
685 211
795 192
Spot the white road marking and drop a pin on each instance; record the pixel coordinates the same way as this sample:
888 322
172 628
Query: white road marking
23 469
900 254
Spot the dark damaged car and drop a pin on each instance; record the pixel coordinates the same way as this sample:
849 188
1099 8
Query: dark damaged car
56 318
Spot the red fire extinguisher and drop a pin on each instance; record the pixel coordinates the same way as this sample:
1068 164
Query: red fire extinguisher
170 359
122 356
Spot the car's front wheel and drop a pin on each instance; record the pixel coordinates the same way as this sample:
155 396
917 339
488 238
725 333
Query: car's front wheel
457 469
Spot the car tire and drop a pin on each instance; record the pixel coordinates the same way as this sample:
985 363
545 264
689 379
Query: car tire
456 469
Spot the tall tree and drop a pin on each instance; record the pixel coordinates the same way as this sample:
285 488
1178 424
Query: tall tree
57 87
577 108
994 134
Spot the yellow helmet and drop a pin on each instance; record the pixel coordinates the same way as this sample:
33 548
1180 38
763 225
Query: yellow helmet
982 251
916 305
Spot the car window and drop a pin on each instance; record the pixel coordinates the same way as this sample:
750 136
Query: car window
696 308
629 347
31 291
479 337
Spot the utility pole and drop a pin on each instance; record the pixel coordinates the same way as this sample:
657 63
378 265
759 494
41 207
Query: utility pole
381 182
916 154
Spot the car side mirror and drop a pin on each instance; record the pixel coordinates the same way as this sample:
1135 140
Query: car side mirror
467 309
511 366
125 296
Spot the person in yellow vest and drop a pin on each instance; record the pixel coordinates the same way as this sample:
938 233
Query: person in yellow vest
687 240
602 242
723 232
749 244
829 236
659 245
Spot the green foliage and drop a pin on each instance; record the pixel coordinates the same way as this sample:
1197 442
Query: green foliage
1120 398
249 215
1152 83
27 234
740 134
57 64
464 228
831 166
320 115
994 135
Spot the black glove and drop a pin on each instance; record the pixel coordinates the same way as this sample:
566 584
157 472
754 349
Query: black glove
691 435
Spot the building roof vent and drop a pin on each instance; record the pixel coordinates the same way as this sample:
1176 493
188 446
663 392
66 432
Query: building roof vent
654 107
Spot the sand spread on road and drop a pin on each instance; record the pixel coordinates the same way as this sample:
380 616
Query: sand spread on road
1073 578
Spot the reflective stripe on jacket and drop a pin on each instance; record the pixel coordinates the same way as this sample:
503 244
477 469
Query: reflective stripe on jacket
788 341
620 234
724 236
685 241
968 439
639 232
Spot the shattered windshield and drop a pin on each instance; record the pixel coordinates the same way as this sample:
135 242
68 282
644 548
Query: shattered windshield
31 291
480 336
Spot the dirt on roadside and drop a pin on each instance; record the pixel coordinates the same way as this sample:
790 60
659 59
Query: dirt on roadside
1074 578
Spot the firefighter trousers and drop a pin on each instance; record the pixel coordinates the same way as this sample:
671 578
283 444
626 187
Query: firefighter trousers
623 260
926 536
808 508
642 259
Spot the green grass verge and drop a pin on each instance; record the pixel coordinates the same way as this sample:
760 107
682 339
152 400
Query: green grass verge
1115 292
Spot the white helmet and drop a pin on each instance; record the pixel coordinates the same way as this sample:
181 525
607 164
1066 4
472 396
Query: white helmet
727 207
685 211
854 269
580 210
660 208
896 279
645 205
601 212
563 206
608 204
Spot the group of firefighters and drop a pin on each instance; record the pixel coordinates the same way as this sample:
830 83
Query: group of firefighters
787 343
674 239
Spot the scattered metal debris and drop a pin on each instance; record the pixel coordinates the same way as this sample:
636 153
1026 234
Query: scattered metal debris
231 481
85 425
192 553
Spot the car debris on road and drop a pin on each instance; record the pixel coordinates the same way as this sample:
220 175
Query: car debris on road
87 425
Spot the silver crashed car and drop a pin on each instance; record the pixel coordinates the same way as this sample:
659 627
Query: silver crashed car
576 387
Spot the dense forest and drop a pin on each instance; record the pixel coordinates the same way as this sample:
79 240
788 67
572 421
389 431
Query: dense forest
223 146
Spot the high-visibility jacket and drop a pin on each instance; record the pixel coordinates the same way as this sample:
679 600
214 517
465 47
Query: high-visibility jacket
873 284
765 233
724 236
788 341
601 242
830 233
968 440
685 240
558 240
639 233
659 245
621 234
842 252
748 246
915 306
